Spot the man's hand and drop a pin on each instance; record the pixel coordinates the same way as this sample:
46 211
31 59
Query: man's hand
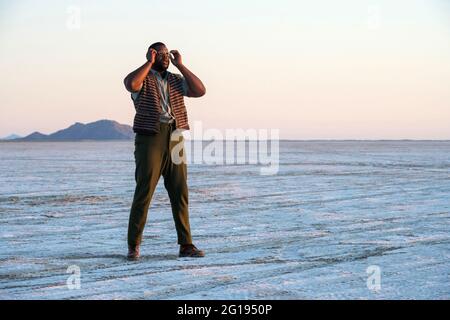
176 58
151 55
133 81
195 86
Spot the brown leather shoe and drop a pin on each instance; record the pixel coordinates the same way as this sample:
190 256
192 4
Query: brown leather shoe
189 250
133 253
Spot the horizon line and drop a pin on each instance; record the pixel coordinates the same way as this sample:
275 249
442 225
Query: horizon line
240 140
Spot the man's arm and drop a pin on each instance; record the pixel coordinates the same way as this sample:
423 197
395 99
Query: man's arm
133 81
195 86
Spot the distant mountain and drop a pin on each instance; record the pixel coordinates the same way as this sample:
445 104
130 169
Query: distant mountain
35 136
11 137
98 130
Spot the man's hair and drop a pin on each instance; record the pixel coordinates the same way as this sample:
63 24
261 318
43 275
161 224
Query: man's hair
156 44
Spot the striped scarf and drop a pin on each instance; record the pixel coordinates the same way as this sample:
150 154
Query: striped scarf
148 107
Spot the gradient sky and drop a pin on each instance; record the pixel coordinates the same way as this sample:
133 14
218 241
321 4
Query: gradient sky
316 70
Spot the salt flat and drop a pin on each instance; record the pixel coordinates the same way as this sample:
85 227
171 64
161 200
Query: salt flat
309 232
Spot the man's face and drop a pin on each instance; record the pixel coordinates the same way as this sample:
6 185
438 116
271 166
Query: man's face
162 58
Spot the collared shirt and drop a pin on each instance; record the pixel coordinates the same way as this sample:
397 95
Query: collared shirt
166 114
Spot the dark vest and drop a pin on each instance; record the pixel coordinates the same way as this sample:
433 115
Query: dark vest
148 106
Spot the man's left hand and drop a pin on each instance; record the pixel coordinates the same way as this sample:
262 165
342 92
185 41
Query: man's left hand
175 58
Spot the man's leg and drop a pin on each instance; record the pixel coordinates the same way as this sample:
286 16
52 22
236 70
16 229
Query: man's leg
175 181
149 154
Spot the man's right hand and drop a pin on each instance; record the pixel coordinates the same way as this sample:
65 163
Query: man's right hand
151 55
133 81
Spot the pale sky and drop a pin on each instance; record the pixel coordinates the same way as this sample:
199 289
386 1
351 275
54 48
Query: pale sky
351 69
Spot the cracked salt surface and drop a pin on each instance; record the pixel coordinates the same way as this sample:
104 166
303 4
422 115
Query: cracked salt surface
310 232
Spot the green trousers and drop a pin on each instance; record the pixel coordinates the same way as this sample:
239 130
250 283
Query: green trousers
153 158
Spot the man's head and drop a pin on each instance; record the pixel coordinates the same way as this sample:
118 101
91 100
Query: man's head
162 60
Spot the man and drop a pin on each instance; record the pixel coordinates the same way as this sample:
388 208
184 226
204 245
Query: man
158 97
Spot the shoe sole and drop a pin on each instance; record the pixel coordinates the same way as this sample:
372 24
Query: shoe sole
191 256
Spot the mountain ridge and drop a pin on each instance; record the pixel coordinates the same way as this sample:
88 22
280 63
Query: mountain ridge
98 130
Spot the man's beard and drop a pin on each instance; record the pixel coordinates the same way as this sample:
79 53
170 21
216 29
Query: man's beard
160 67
